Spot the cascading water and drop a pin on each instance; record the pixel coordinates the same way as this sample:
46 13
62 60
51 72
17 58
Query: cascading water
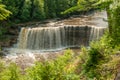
96 33
52 38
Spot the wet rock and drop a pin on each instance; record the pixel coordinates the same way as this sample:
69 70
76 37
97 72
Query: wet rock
2 53
6 44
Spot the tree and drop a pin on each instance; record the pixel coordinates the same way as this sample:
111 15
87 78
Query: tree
82 5
115 22
13 6
50 8
62 5
38 12
25 12
4 13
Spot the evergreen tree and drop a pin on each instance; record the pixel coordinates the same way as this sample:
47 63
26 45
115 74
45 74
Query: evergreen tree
63 5
50 8
25 12
38 12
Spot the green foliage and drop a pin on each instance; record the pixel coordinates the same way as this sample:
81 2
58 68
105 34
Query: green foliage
10 72
82 5
25 10
60 69
50 9
4 13
12 5
103 4
100 60
91 64
2 31
38 12
115 26
72 9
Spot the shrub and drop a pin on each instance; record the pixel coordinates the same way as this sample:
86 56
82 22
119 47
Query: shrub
59 69
10 72
101 61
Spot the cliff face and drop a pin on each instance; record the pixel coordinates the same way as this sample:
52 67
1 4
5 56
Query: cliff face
10 37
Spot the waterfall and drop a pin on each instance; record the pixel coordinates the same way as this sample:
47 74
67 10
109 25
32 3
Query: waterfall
40 38
51 38
96 33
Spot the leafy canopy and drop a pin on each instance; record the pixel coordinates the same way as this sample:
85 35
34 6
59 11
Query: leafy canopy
4 13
